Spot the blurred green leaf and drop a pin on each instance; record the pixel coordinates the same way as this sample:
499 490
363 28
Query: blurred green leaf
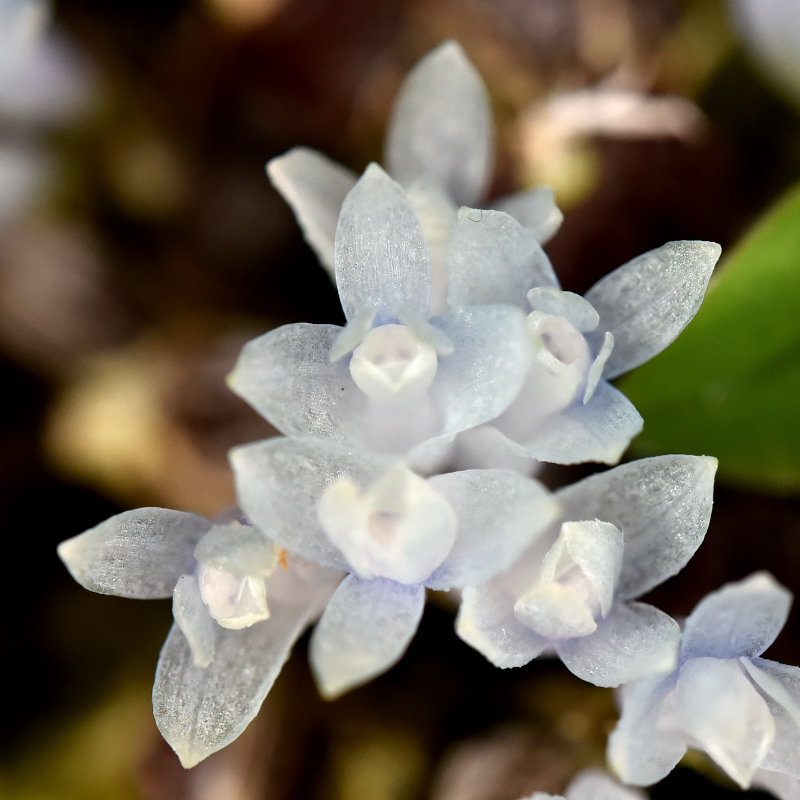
729 386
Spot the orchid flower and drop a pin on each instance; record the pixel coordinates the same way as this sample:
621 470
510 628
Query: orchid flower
721 697
618 535
439 147
593 784
568 412
236 615
391 380
393 531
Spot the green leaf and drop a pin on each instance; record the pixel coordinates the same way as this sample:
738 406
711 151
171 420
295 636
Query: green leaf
729 386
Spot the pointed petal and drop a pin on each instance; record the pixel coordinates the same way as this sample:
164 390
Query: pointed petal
647 302
315 188
487 368
499 514
663 507
287 376
493 259
192 617
381 255
139 553
634 641
364 631
596 784
780 687
201 710
441 126
646 744
599 431
740 619
280 482
721 710
486 621
535 210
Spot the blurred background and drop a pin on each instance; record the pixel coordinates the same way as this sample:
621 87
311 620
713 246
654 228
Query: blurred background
141 245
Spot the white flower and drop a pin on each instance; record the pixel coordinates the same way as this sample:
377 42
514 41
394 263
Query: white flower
618 535
744 711
390 380
212 677
395 532
568 412
439 146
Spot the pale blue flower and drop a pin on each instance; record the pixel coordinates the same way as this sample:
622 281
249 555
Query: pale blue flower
393 531
743 710
439 146
618 535
237 616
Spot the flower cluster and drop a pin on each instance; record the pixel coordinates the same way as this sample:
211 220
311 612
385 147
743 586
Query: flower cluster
409 438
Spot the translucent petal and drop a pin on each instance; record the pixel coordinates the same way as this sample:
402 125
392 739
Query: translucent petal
201 710
364 631
280 483
634 641
596 370
599 431
381 254
192 617
647 302
437 214
139 553
399 527
740 619
493 259
780 687
535 210
596 784
286 375
315 188
499 514
781 785
663 507
647 743
351 336
551 300
240 549
441 126
555 612
487 368
486 621
721 710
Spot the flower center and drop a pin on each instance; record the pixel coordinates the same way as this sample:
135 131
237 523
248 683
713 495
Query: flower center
391 360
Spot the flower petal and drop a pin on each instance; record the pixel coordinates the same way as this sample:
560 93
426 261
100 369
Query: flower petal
493 259
596 784
139 553
535 210
486 621
646 744
364 631
663 507
280 483
720 709
286 375
778 784
315 188
201 710
487 368
499 514
381 255
441 126
192 617
634 641
780 687
740 619
599 431
647 302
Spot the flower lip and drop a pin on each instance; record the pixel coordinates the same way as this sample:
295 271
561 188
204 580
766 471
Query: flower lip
234 602
392 359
